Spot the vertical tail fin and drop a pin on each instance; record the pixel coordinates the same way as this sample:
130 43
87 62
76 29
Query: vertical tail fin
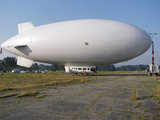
23 27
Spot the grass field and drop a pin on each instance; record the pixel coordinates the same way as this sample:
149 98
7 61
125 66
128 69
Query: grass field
13 81
29 83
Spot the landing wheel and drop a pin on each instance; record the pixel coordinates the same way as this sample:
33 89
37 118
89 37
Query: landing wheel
79 74
149 74
156 74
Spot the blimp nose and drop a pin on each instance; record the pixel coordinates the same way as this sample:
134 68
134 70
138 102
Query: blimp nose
144 40
148 39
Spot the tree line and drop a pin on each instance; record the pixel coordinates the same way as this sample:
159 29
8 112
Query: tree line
9 63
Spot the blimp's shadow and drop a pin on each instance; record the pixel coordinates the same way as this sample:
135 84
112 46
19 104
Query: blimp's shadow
121 74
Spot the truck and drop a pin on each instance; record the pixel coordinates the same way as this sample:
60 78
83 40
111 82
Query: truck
153 69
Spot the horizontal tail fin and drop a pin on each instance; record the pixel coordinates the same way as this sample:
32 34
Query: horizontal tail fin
21 61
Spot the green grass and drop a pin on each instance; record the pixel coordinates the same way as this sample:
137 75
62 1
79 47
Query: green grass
12 81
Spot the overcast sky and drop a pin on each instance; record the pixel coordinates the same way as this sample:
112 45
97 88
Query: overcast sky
142 13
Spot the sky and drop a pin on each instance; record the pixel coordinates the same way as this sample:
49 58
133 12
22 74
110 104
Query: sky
142 13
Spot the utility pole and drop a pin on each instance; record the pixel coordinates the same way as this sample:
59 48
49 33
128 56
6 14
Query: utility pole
153 71
152 56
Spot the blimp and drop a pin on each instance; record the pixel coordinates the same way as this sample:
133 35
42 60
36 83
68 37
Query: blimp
79 45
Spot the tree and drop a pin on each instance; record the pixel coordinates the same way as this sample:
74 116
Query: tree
9 63
132 68
106 68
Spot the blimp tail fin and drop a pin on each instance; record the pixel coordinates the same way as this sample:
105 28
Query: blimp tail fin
21 61
23 27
